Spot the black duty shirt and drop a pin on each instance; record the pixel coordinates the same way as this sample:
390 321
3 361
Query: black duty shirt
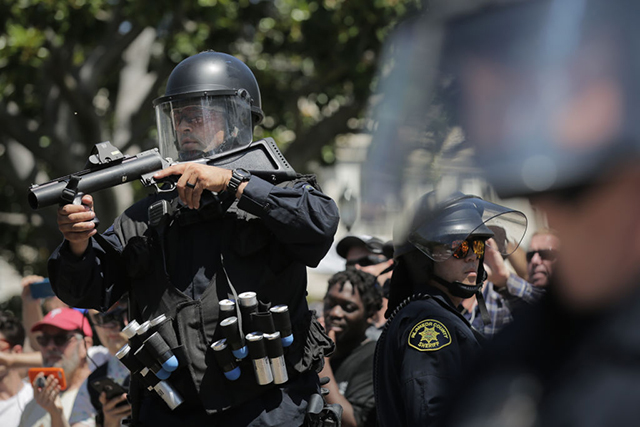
423 351
354 375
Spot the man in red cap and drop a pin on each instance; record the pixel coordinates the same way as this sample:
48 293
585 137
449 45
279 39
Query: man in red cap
64 340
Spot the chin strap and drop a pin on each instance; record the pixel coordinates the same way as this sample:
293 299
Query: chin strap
486 319
461 290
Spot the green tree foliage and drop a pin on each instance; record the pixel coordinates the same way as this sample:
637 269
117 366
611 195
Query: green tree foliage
77 72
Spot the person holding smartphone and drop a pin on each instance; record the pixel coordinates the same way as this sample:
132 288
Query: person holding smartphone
102 397
64 336
37 295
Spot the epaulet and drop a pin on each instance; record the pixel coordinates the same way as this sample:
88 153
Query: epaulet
310 179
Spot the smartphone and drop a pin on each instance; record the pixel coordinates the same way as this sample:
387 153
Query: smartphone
41 289
110 387
56 372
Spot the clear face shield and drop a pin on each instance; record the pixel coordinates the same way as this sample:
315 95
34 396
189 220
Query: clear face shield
203 126
457 229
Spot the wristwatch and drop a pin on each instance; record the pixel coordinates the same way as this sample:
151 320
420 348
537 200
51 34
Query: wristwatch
238 176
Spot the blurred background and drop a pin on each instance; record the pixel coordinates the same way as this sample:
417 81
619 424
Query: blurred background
77 72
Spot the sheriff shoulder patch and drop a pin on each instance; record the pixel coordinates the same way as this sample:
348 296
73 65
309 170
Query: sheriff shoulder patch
429 335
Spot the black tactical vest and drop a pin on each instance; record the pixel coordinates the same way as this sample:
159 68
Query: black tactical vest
253 261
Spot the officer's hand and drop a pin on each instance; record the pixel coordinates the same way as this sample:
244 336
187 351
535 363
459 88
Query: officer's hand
74 222
113 414
199 177
497 271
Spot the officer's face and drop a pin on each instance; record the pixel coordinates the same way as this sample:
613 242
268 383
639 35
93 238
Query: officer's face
464 270
199 129
344 313
540 267
600 235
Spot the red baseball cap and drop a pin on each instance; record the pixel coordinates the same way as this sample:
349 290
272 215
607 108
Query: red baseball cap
66 319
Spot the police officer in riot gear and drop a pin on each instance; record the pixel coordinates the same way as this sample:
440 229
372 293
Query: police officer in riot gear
211 105
183 266
427 343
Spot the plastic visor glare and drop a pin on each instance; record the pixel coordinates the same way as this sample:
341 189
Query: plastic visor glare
191 128
439 238
549 58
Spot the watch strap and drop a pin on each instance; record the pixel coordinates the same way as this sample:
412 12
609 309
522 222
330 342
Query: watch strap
237 178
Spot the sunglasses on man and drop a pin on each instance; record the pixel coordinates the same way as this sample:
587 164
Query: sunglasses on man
58 340
366 261
112 319
545 254
477 246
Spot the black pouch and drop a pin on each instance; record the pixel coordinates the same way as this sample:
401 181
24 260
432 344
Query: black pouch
311 345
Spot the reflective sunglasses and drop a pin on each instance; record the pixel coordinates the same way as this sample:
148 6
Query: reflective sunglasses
114 318
463 250
366 261
545 254
58 340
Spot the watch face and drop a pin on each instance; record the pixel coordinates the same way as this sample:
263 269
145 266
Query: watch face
244 174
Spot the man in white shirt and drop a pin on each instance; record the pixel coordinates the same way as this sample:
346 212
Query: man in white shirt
14 392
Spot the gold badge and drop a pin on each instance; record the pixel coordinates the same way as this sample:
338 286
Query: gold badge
429 335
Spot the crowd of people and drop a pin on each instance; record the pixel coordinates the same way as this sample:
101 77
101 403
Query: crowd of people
84 342
81 343
353 316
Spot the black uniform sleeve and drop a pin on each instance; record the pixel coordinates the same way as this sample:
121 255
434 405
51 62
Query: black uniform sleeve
427 375
88 281
301 217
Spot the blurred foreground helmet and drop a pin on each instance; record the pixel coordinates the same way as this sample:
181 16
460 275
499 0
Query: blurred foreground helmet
211 104
548 91
438 226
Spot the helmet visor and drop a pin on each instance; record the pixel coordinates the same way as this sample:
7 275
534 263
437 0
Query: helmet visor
469 219
198 127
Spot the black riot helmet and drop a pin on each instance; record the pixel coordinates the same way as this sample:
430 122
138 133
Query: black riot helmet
211 105
437 226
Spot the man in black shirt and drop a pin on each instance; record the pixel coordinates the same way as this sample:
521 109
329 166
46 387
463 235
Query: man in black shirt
351 301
